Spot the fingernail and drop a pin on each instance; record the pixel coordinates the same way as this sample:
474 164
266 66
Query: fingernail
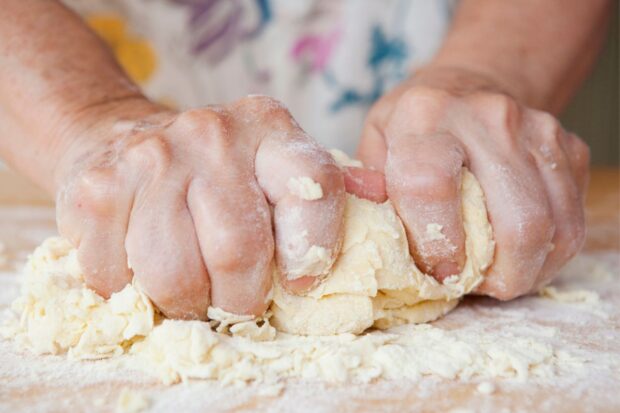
443 270
300 285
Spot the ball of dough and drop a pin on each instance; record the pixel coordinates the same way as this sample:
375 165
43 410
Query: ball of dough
375 282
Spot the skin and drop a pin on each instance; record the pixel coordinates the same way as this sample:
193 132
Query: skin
140 189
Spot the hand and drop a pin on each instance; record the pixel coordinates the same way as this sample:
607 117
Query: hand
533 173
182 202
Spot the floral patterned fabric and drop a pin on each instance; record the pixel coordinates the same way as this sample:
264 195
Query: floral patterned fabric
327 60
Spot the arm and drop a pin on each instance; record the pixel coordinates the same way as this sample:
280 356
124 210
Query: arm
486 101
538 51
54 73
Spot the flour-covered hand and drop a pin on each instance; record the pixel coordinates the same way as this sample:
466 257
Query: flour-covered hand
196 205
533 173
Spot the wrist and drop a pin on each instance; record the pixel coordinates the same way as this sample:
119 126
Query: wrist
460 80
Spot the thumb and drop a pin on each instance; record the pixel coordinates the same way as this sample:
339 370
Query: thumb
372 150
365 183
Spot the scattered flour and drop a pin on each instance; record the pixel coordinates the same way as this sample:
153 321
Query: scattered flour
579 375
131 401
485 387
57 313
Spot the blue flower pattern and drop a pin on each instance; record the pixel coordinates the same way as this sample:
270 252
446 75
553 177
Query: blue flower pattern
386 63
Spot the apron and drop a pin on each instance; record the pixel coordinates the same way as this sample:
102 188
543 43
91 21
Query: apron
326 60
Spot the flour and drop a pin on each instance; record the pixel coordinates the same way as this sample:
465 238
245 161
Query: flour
226 348
57 313
433 232
305 188
485 387
131 401
581 376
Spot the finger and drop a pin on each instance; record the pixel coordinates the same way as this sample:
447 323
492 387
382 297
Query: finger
547 146
306 187
230 213
163 251
423 178
579 158
372 150
93 213
365 183
234 228
522 222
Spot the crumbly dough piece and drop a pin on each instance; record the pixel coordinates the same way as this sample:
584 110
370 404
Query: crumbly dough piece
375 282
305 188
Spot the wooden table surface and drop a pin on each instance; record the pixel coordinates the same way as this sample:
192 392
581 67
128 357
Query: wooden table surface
603 220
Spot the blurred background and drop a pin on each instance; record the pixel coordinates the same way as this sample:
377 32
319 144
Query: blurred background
594 113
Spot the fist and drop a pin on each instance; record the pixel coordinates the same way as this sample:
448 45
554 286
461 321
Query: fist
533 172
196 205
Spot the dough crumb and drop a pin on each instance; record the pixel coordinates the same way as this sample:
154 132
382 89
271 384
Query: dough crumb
433 232
315 261
271 390
571 296
131 401
486 387
254 328
342 159
305 188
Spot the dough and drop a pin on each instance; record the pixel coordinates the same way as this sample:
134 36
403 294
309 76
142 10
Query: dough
56 313
305 188
374 282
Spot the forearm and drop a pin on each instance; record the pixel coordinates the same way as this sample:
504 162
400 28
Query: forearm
537 51
54 72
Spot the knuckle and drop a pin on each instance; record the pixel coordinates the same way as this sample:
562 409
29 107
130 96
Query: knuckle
530 228
329 176
154 152
549 129
501 111
429 182
268 109
238 253
418 110
580 154
420 96
260 103
570 238
264 107
93 191
207 124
